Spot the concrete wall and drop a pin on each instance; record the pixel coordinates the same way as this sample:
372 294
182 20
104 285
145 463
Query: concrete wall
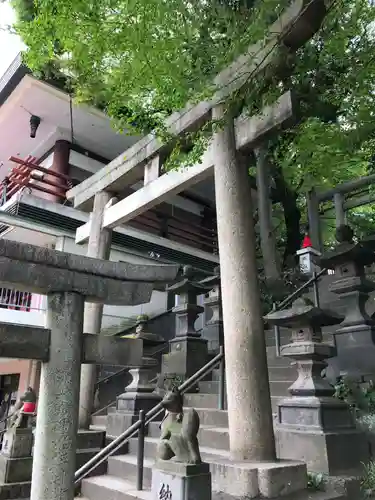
18 366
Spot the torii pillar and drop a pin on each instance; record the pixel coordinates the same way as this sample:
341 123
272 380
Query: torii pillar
68 280
251 435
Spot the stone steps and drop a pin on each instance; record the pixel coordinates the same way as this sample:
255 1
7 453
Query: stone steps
208 416
110 487
227 475
277 387
199 400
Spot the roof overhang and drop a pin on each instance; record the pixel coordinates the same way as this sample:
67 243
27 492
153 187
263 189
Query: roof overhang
22 95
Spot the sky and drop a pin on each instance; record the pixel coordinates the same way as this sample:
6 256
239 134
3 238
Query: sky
10 45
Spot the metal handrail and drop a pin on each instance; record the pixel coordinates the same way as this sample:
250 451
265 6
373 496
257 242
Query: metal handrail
105 379
125 369
138 426
130 328
302 288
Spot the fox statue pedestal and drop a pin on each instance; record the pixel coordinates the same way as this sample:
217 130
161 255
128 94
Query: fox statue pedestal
180 481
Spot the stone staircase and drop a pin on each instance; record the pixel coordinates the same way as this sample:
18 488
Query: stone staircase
228 477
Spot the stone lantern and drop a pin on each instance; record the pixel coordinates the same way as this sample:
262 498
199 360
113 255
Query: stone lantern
213 330
318 425
355 335
188 350
140 393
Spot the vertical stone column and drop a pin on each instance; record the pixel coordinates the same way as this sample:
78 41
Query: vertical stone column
99 247
339 209
57 420
249 404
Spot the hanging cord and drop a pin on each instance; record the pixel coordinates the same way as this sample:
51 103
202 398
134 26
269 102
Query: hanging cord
71 119
71 131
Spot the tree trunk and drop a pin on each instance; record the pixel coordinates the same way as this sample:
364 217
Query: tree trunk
292 216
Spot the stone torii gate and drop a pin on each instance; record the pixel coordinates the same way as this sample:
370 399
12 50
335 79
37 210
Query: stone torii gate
68 280
249 407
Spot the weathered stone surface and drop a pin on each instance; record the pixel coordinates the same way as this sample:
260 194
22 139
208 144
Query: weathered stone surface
249 403
15 470
188 351
355 335
18 443
213 330
52 271
100 268
99 247
187 355
24 342
181 481
38 278
15 491
333 453
57 421
111 350
280 479
179 430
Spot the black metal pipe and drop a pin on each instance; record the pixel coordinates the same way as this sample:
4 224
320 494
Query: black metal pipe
298 292
316 290
222 380
276 330
276 333
141 450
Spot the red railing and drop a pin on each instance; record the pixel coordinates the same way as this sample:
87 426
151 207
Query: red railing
23 175
194 233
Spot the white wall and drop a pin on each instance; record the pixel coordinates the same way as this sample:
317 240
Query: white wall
31 318
113 315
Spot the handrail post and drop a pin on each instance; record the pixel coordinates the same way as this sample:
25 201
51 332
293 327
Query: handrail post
222 380
276 331
140 450
316 290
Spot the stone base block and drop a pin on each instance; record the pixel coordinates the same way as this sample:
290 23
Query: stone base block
326 413
325 452
282 478
181 481
135 401
87 440
15 470
187 355
118 422
15 491
357 350
254 480
18 443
